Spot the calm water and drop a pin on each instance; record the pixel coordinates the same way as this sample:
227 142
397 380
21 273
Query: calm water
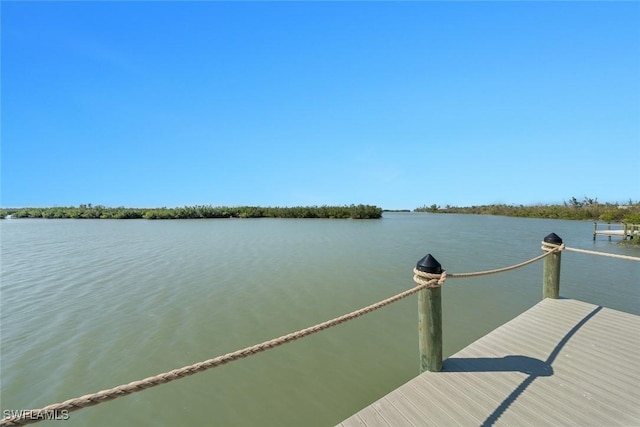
88 305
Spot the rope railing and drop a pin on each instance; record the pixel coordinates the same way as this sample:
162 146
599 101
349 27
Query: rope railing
605 254
421 277
424 282
36 415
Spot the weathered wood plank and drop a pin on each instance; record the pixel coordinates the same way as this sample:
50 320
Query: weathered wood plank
563 362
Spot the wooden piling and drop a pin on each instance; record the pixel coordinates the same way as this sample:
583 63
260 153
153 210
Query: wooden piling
551 270
430 329
430 319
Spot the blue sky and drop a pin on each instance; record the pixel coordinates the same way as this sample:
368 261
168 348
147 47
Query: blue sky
397 104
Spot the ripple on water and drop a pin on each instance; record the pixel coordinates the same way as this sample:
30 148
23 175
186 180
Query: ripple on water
88 305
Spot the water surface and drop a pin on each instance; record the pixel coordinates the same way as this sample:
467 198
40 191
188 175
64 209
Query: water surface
91 304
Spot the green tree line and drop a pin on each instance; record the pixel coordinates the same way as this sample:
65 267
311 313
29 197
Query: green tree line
193 212
585 209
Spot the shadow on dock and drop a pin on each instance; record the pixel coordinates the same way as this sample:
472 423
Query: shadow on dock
533 367
525 364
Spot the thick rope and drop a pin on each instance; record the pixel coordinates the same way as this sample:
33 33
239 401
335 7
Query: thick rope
429 280
552 247
584 251
421 277
29 417
499 270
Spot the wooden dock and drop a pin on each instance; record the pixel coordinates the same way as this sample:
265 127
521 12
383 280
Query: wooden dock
562 362
619 233
626 231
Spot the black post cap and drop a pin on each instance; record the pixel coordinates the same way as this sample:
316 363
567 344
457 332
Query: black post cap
429 264
553 238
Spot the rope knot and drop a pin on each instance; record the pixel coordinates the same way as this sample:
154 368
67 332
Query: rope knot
552 247
429 280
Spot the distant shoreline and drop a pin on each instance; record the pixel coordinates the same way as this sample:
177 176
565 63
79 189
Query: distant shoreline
575 210
196 212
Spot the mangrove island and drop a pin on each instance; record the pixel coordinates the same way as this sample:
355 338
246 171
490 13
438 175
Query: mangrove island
195 212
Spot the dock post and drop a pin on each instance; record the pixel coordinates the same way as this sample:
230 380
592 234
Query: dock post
595 230
430 319
609 228
551 270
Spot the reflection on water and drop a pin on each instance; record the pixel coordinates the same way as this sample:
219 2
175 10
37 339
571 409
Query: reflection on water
88 305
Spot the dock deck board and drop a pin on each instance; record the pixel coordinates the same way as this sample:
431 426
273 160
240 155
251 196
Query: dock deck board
562 362
617 232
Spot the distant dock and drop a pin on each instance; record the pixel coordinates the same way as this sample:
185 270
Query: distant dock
562 362
624 230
